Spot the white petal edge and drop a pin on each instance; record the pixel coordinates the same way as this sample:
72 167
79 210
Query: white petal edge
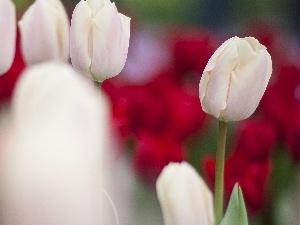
218 83
110 43
184 196
38 26
248 85
7 34
81 38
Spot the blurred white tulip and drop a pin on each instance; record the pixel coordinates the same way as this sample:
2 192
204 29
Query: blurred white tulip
7 34
45 32
51 169
235 79
99 39
184 197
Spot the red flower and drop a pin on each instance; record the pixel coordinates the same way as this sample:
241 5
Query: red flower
281 100
136 109
161 107
252 177
192 50
292 137
152 153
184 112
256 139
187 115
281 105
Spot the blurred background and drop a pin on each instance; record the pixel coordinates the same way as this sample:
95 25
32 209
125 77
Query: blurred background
157 114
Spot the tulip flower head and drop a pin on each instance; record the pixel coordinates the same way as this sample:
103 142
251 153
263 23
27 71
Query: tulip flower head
7 34
99 39
184 196
235 79
51 169
45 32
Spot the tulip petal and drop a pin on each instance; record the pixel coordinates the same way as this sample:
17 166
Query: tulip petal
38 33
125 20
217 81
45 32
97 5
63 30
110 43
183 196
61 22
245 51
214 58
55 150
254 43
247 87
80 38
7 34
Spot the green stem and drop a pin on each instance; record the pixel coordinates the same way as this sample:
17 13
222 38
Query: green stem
219 180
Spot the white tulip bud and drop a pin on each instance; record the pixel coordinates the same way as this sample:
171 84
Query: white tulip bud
7 34
99 39
45 32
235 79
51 170
184 196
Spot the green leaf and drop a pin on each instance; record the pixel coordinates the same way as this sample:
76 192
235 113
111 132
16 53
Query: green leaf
236 213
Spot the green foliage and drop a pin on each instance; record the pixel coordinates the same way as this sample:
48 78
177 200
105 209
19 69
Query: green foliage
236 213
168 11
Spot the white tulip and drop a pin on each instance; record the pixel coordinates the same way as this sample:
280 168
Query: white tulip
51 170
45 32
235 79
184 196
7 34
99 39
